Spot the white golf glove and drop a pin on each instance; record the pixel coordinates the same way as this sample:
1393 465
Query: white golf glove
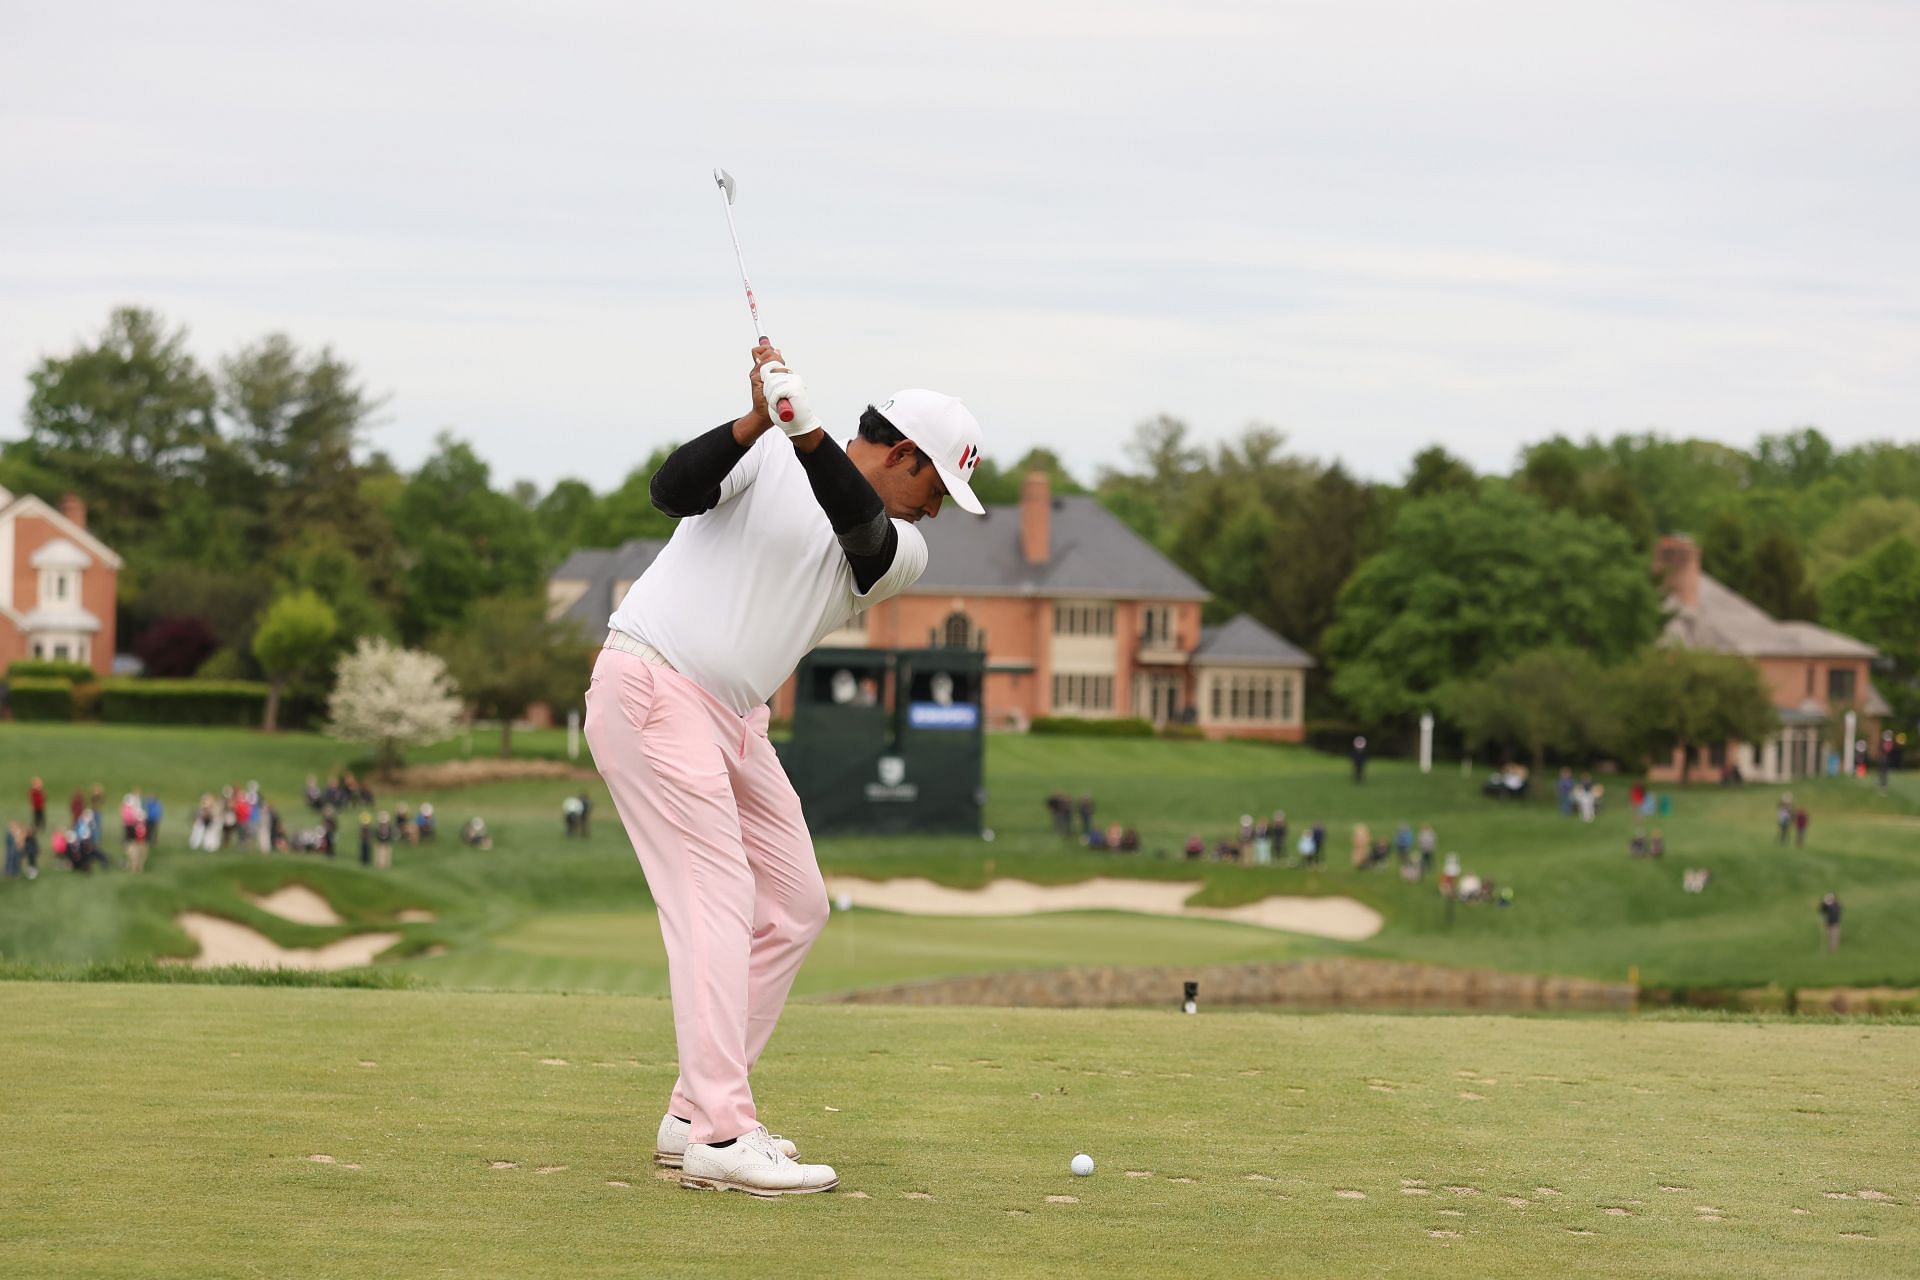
777 383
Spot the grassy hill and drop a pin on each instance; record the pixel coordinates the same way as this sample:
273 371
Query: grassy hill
235 1131
540 912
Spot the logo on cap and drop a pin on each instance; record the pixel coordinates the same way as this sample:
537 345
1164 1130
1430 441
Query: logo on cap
969 458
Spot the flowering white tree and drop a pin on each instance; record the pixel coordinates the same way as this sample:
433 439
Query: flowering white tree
392 698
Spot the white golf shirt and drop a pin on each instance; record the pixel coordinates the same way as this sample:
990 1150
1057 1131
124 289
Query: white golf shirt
742 592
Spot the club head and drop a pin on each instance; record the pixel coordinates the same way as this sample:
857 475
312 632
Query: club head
724 180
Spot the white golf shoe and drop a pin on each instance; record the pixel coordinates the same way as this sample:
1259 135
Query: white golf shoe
670 1144
754 1165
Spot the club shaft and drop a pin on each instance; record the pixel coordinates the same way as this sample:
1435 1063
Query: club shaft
753 307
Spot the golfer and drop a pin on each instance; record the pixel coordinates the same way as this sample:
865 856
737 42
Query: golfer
783 538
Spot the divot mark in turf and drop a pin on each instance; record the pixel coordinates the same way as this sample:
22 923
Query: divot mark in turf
1413 1182
1707 1208
1545 1191
1874 1195
1183 1181
1349 1193
917 1195
615 1182
1579 1231
1805 1213
1664 1187
1855 1235
1258 1177
835 1110
1838 1195
553 1062
1019 1213
1441 1233
365 1063
1467 1095
1615 1211
1462 1191
1518 1202
503 1164
551 1168
1139 1173
1451 1213
1063 1199
1415 1191
858 1195
323 1159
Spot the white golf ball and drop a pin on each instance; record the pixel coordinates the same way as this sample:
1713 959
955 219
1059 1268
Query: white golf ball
1083 1165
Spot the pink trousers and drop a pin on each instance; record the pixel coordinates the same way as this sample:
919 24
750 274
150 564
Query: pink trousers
727 856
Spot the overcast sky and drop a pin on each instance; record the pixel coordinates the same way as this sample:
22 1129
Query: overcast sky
1374 225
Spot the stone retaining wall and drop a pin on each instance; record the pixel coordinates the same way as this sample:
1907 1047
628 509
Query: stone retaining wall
1340 983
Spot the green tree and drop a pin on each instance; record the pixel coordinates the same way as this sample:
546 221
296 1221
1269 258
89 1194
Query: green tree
1690 698
1466 581
120 421
1546 700
464 541
1861 526
508 655
1877 599
1434 471
295 637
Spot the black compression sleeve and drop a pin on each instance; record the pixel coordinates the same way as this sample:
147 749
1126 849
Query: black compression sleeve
688 482
858 517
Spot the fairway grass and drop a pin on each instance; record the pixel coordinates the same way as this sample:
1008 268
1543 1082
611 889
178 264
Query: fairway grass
234 1131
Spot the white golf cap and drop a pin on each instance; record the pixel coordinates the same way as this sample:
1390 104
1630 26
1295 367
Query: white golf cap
947 435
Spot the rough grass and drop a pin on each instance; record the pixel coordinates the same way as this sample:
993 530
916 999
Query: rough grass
1583 907
216 1131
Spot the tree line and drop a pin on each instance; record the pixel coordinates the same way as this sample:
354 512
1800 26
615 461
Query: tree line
252 485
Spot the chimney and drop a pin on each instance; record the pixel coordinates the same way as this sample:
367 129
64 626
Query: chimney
1678 560
1036 517
73 509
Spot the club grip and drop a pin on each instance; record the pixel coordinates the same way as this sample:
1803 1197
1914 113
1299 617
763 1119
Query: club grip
784 409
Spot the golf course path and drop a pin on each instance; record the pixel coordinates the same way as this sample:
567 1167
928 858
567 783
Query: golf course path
222 942
1330 917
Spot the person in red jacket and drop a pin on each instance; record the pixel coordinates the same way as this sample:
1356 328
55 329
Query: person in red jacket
37 796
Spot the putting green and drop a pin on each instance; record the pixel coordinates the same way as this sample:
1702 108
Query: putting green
230 1131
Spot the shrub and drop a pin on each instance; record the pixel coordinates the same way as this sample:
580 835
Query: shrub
211 702
223 664
1074 725
35 668
1183 732
40 698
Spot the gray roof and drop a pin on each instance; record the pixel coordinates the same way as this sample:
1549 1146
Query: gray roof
1244 642
603 569
1094 554
1727 622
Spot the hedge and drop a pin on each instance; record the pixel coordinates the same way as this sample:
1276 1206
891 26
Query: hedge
40 698
47 669
1123 728
213 702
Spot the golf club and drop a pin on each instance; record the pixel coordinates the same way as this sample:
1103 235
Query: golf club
724 180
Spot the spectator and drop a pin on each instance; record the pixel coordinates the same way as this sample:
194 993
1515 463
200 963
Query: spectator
30 852
1563 791
155 811
1319 844
1830 913
428 827
14 835
383 841
1086 815
1195 847
403 827
1278 829
366 838
1637 844
586 812
37 797
1694 879
1262 843
1359 760
329 830
76 806
1114 833
1129 841
203 834
1403 845
1800 827
475 834
1784 815
1587 797
316 800
1637 797
570 814
1060 808
1656 845
1429 844
1362 845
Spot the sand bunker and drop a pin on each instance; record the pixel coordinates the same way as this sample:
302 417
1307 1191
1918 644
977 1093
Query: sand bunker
299 904
1341 918
222 942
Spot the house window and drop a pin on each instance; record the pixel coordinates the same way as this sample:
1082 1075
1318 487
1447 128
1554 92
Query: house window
60 653
39 650
959 631
1082 693
1156 626
1286 699
1839 684
1082 619
60 586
